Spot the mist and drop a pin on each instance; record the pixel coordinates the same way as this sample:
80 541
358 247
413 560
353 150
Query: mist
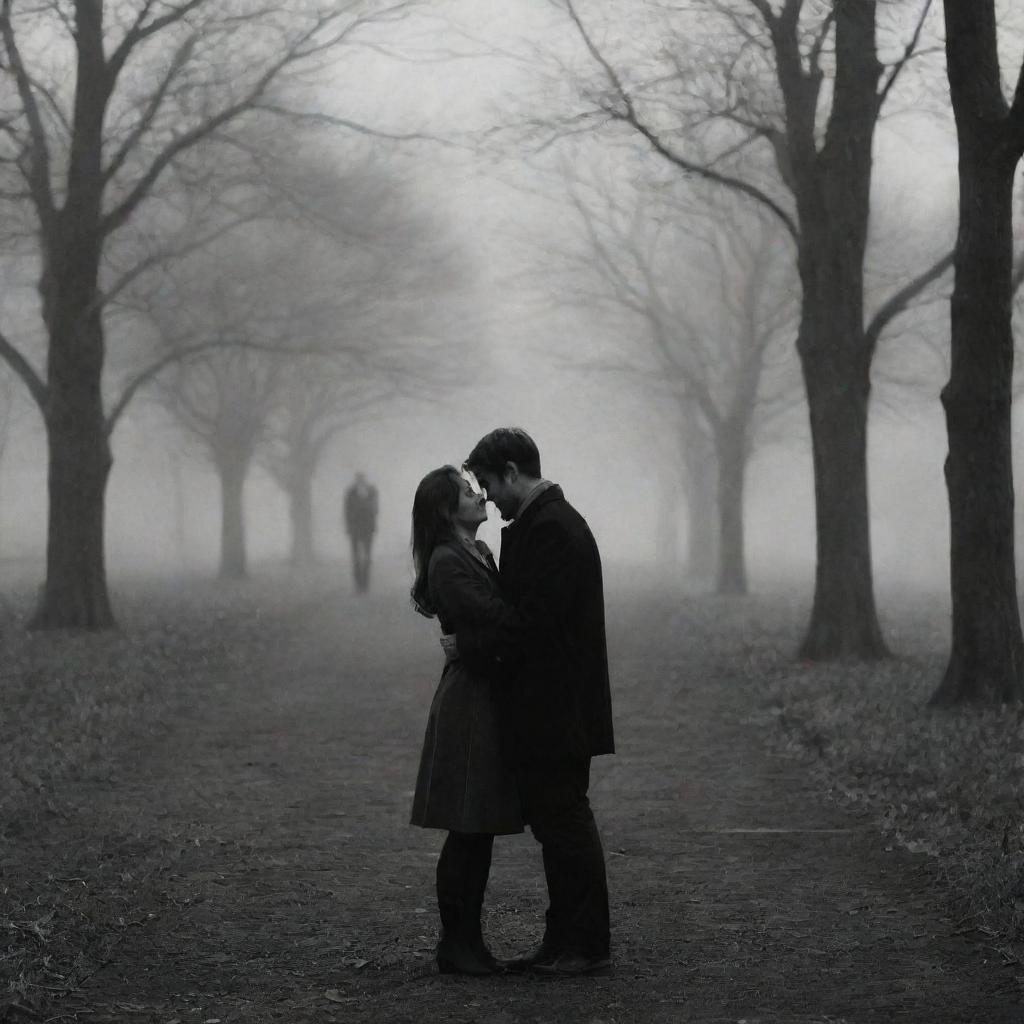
504 317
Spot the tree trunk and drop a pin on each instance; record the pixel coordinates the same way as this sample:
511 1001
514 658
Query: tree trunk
75 593
300 505
844 619
836 370
832 188
233 561
732 465
987 658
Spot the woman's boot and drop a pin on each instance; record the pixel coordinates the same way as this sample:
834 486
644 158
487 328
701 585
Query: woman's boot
462 871
461 949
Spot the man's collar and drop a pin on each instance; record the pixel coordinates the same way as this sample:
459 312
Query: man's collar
537 491
540 495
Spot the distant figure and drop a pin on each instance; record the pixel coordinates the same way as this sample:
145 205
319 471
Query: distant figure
360 525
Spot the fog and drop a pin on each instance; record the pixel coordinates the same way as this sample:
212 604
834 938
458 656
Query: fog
518 341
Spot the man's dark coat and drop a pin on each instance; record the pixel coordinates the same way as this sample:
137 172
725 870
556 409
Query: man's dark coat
555 702
361 511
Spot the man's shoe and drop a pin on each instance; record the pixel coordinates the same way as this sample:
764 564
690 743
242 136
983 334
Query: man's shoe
570 964
542 954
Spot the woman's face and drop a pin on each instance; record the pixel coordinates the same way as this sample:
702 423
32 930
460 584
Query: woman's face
472 510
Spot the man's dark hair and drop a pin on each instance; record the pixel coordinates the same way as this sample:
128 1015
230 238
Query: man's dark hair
506 444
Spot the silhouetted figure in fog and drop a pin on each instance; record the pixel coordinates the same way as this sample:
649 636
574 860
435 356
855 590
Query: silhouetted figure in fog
360 525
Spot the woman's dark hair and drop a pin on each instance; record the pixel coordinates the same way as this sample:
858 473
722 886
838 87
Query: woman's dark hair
435 502
506 444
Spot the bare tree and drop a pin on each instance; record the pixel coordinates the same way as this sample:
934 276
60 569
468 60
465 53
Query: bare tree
237 321
319 399
802 85
714 308
987 658
81 154
325 299
224 400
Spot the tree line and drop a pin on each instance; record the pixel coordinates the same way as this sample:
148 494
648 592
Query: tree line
151 170
142 183
774 107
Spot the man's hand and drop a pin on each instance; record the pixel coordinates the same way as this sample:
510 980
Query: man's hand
451 651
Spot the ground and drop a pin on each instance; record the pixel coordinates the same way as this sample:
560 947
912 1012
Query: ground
243 853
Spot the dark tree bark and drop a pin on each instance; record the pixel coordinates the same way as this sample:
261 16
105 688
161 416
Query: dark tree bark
987 659
844 619
75 593
832 190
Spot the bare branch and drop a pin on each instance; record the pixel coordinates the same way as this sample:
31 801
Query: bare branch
141 30
38 173
764 8
301 48
24 369
908 52
161 257
144 376
818 46
897 303
628 115
186 352
317 117
152 108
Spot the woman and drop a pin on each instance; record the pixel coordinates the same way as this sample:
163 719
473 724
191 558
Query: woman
463 785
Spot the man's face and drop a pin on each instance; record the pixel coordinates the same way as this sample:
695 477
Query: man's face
499 489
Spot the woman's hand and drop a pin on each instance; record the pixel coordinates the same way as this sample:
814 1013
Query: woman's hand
448 645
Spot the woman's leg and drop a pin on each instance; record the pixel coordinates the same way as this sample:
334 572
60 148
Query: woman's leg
462 872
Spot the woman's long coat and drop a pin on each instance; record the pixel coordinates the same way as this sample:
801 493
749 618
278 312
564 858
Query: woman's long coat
464 784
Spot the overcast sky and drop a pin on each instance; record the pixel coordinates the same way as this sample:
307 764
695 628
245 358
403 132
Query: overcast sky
458 68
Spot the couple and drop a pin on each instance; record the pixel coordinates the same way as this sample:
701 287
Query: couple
523 702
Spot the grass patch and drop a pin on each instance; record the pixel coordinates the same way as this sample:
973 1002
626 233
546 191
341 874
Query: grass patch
945 782
78 710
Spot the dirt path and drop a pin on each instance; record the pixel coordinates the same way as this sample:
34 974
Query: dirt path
278 880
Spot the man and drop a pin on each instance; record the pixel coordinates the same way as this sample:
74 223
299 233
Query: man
556 701
360 525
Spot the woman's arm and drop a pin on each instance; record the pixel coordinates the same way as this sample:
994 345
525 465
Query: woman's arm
488 628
